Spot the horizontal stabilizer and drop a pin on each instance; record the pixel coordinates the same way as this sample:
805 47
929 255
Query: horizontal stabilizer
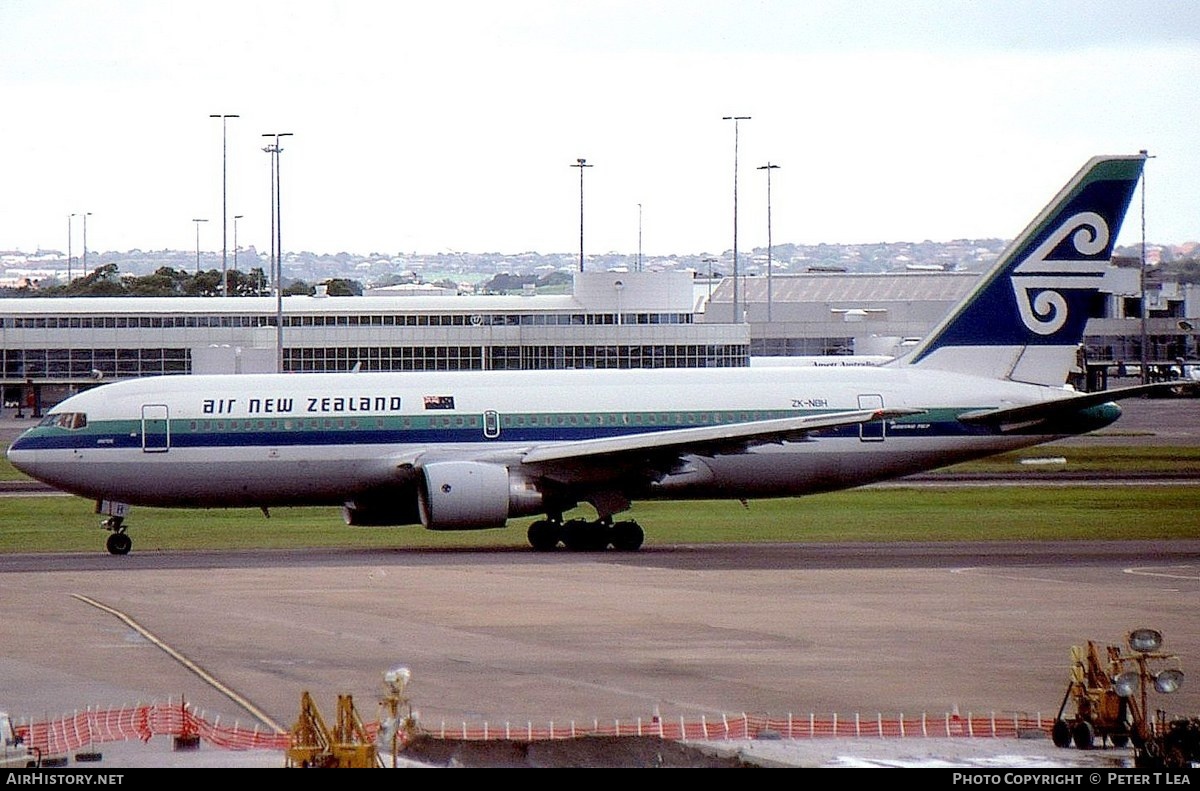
1057 408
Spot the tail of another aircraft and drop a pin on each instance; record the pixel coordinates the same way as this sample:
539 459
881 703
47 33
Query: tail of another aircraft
1025 319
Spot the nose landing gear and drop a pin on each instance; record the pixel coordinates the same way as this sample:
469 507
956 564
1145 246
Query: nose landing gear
118 543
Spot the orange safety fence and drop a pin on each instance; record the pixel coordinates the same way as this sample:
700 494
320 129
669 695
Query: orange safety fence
746 726
76 731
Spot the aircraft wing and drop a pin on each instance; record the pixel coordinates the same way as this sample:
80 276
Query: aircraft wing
707 440
1015 417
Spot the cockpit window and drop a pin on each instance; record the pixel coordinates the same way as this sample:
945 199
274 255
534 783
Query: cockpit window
71 420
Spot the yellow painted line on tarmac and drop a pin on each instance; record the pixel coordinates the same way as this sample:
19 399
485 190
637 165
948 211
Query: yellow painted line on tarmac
189 664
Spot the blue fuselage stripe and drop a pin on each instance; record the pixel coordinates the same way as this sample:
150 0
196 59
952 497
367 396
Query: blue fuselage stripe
187 438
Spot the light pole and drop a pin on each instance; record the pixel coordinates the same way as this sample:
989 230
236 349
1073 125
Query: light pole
277 243
236 217
1145 306
69 257
768 167
710 261
737 312
581 164
86 214
270 149
224 211
198 221
639 264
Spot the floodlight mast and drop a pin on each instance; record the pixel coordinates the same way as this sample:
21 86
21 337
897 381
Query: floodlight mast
224 202
581 163
277 242
396 680
737 312
1145 644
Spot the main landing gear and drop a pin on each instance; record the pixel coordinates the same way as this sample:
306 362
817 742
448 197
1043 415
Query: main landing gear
580 535
118 543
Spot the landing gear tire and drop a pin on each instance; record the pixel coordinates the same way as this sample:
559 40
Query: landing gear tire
627 536
119 544
580 535
1061 733
544 535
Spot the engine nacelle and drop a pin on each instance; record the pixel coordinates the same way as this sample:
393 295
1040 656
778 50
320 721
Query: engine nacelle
472 495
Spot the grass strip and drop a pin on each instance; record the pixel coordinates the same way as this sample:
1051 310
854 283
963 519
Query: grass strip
976 513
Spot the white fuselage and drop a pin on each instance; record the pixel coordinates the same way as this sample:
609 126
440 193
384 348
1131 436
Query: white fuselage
248 440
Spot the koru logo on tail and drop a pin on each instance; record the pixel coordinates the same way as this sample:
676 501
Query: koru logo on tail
1038 281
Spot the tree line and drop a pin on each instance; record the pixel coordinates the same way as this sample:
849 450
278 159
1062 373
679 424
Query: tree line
107 281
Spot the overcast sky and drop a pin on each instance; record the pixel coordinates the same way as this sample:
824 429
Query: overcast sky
453 126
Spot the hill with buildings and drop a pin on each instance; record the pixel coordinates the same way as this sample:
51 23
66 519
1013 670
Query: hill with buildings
45 269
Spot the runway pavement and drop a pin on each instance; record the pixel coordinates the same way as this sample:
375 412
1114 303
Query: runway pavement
522 637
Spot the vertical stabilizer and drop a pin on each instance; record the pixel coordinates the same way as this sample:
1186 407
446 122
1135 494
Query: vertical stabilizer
1025 319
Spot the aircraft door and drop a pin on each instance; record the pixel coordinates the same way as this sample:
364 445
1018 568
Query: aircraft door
491 424
156 428
873 431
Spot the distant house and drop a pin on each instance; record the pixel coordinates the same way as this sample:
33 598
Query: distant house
410 290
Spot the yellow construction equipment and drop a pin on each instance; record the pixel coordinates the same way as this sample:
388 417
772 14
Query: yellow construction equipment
346 746
1099 711
1109 693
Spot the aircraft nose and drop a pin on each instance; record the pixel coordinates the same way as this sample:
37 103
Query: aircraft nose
21 455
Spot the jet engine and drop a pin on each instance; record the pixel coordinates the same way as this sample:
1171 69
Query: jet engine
471 495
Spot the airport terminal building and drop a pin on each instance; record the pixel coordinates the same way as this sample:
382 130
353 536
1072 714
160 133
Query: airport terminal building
881 314
52 347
